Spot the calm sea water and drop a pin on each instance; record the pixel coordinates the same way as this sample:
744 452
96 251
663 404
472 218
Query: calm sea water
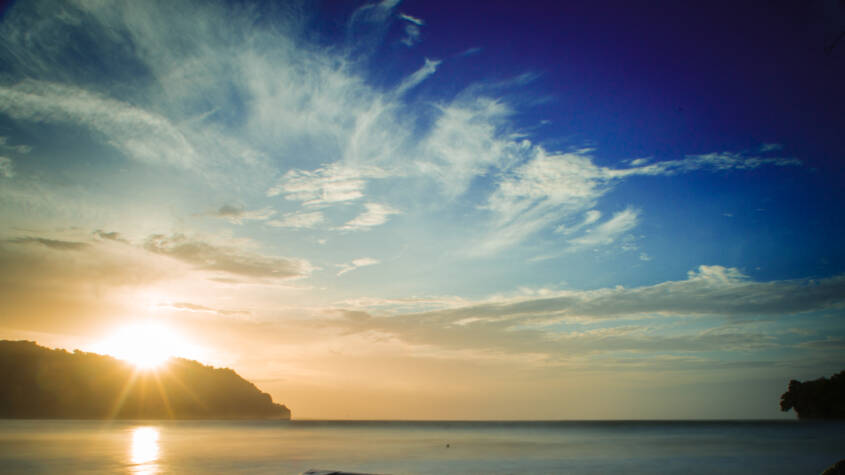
420 447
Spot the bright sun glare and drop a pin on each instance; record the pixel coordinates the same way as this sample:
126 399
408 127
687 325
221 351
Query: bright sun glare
145 345
144 447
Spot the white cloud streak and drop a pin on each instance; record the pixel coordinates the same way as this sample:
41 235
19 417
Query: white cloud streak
465 142
550 188
7 167
590 217
237 214
412 19
138 133
368 24
226 259
4 144
298 220
356 264
327 185
533 324
376 214
607 232
374 12
418 76
470 51
412 35
413 31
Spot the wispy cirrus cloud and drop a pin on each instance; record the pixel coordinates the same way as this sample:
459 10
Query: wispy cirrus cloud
57 244
607 232
138 133
427 69
718 161
543 190
590 217
368 24
412 19
591 349
110 236
548 188
467 141
830 343
4 145
538 325
356 264
298 220
707 291
376 214
238 214
470 51
7 167
226 259
413 29
375 12
192 307
331 184
399 306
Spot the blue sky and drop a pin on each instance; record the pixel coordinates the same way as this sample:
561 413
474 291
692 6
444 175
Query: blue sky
426 203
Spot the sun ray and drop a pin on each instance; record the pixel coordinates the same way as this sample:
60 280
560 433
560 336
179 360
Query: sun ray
163 393
188 390
124 393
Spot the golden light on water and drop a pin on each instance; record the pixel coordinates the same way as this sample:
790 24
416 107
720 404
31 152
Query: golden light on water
144 451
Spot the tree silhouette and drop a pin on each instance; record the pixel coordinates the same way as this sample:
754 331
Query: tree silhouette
818 399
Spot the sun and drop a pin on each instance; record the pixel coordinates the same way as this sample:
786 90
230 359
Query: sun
145 345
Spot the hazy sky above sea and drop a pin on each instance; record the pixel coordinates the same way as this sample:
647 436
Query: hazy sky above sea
428 209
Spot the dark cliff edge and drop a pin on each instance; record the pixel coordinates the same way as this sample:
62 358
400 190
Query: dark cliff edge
42 383
818 399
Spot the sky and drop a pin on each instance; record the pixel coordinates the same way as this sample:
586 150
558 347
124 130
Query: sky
436 210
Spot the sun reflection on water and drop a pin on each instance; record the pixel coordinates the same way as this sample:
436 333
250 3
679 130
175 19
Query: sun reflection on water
143 453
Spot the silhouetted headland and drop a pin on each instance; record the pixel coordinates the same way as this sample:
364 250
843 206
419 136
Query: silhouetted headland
38 382
818 399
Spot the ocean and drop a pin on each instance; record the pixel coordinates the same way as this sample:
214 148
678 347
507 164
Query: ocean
292 447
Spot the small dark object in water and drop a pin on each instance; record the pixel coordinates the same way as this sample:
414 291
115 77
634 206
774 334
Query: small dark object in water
447 446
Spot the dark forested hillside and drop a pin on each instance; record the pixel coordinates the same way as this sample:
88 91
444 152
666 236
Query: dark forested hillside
818 399
38 382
